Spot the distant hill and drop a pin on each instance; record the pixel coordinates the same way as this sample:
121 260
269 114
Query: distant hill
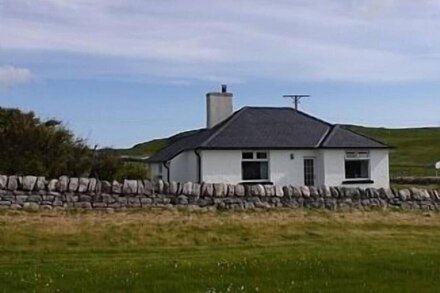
416 149
149 147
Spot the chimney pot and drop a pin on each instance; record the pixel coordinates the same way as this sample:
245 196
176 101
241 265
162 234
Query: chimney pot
224 88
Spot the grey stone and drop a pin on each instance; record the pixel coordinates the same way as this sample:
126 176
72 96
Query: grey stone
140 187
207 189
99 205
146 201
196 189
133 202
40 184
84 197
288 191
52 186
219 189
324 191
334 192
3 182
106 187
116 187
187 188
13 183
160 186
129 187
182 199
34 198
269 190
62 184
29 182
92 185
230 190
305 191
83 205
31 206
239 190
314 191
5 203
404 194
73 184
296 192
149 187
174 188
83 184
278 191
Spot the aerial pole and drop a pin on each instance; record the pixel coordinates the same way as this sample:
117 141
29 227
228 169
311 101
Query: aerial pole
296 99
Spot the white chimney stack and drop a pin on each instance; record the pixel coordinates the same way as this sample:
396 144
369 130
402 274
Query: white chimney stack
218 106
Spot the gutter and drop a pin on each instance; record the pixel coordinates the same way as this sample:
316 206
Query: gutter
199 165
167 166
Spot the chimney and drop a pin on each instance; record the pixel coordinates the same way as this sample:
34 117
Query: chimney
218 106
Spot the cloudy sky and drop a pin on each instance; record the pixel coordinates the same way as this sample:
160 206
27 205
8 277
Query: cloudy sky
121 72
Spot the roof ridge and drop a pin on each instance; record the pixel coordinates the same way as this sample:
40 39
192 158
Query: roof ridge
222 127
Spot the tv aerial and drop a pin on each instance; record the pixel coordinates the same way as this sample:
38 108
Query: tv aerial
296 99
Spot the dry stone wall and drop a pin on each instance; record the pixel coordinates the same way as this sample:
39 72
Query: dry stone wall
31 192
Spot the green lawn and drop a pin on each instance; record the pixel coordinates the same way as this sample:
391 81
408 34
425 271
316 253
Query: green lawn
253 251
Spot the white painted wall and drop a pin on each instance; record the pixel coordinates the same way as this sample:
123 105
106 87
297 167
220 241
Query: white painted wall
183 167
334 168
225 166
221 166
286 171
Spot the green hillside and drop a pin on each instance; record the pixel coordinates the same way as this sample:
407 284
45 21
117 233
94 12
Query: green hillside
416 149
149 147
415 153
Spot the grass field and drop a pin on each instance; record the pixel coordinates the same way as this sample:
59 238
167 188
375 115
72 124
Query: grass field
253 251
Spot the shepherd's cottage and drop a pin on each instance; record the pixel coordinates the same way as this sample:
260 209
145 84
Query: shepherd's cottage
271 145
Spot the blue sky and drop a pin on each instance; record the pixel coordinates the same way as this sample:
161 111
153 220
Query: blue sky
122 72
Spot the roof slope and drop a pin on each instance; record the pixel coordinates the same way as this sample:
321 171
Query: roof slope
268 128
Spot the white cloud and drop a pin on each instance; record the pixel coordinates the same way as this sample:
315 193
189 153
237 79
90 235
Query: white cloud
357 40
11 76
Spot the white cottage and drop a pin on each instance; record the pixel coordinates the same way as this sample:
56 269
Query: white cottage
271 145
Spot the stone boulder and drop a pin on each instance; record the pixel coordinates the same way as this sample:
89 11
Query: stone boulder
29 182
13 183
62 184
239 190
73 184
40 184
83 184
130 187
116 187
3 181
219 189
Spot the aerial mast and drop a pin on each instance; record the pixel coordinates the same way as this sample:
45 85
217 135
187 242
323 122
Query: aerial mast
296 99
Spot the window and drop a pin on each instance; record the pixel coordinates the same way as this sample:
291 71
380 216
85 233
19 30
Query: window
255 166
357 165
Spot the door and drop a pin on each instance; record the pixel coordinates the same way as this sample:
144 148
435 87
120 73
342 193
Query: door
309 171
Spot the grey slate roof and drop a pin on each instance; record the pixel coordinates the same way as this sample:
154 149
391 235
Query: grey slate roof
268 128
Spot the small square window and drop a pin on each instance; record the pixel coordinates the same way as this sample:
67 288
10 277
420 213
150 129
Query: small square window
261 155
247 155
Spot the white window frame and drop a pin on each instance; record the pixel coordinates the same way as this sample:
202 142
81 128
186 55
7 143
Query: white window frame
357 156
255 159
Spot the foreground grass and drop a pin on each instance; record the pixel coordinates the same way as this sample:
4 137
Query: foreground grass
182 251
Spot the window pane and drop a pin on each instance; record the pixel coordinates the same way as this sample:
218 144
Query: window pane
255 170
356 169
247 155
261 155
